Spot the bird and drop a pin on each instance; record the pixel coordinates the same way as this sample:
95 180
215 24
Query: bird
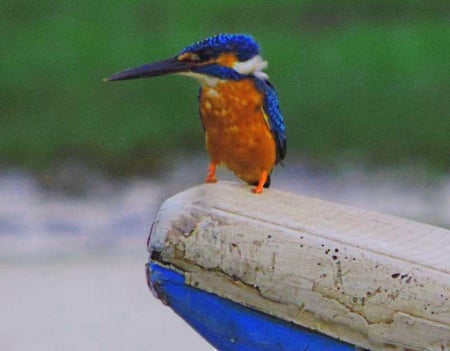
242 122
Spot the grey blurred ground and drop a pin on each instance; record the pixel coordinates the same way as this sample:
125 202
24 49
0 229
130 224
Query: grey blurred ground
72 267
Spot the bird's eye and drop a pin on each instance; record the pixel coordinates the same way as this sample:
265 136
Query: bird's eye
206 54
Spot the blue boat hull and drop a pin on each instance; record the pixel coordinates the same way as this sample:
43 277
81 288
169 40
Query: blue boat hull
229 326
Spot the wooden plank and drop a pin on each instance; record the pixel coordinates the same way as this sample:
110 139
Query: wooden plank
372 280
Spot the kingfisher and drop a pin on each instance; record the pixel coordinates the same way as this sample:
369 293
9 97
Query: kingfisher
239 110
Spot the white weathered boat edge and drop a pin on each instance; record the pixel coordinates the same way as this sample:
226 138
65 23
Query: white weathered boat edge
359 288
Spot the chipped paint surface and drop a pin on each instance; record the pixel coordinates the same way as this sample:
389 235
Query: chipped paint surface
363 277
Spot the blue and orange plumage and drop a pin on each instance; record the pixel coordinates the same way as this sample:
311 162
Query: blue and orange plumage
243 125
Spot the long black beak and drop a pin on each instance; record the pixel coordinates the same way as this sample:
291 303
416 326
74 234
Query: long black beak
171 65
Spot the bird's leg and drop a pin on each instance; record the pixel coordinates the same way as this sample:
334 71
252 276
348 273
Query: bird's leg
211 177
262 180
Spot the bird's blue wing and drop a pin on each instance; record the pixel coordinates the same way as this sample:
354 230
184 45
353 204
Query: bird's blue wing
274 117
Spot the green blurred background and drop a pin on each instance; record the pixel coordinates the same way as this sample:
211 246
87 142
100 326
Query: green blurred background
360 81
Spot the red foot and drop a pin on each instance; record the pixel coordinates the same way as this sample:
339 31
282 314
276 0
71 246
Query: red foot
262 180
211 177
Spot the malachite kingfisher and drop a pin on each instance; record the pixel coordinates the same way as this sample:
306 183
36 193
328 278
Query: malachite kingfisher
243 125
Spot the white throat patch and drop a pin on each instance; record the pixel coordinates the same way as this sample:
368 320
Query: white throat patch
254 66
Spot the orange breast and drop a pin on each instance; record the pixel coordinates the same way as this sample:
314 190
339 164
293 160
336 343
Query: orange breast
237 134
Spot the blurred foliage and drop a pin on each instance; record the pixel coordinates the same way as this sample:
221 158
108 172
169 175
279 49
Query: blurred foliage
360 80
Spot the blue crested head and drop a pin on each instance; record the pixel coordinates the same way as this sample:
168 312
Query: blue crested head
225 56
242 45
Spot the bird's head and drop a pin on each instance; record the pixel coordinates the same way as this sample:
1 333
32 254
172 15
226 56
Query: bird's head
224 56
